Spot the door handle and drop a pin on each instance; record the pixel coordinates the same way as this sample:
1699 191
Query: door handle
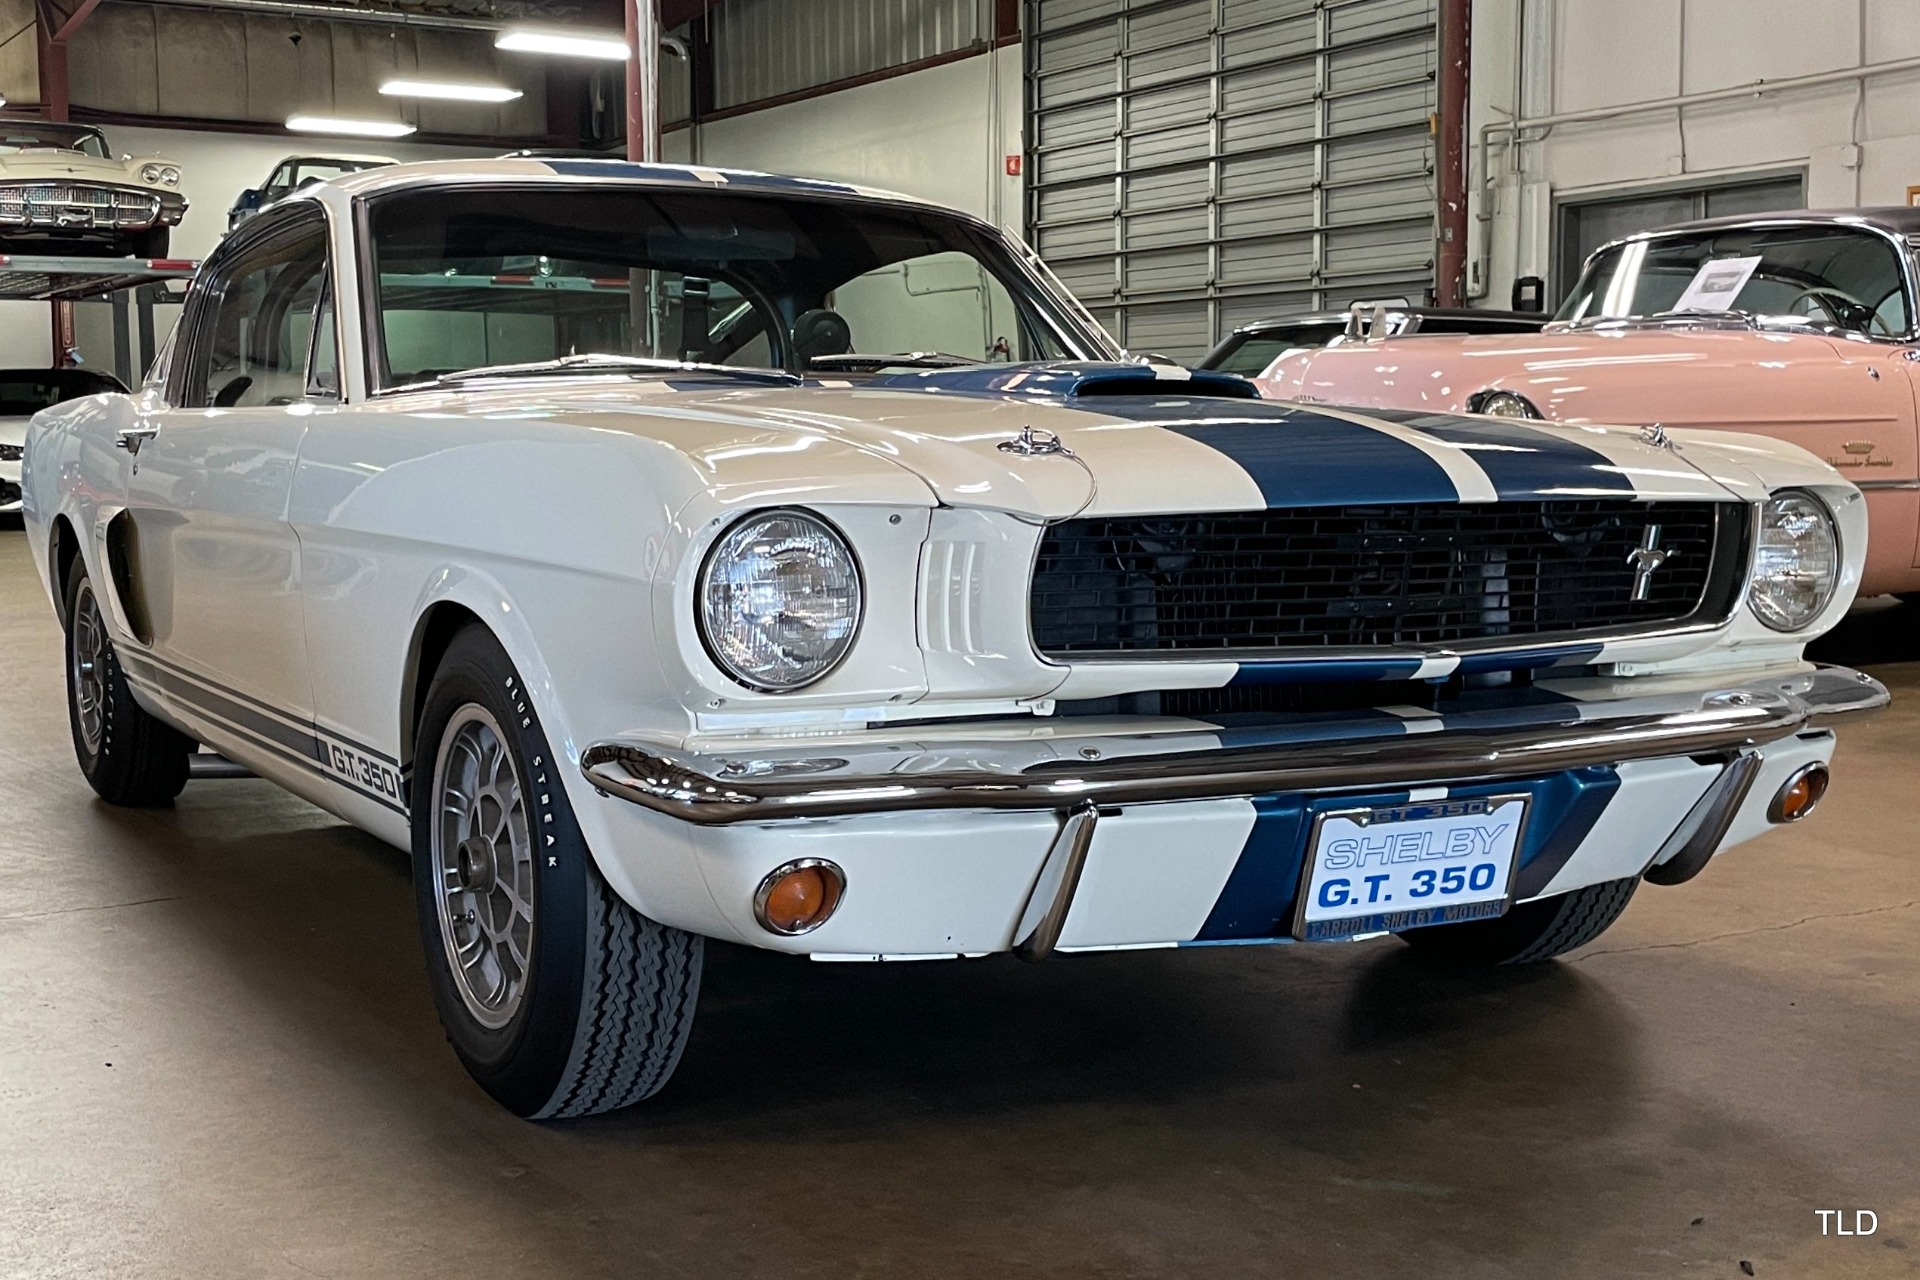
131 438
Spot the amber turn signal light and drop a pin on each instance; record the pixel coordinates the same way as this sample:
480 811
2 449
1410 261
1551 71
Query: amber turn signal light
1797 798
798 896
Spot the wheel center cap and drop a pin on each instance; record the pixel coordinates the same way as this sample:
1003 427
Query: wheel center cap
476 864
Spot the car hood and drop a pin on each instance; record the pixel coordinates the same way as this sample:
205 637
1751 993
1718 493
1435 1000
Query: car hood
1699 376
1053 442
71 164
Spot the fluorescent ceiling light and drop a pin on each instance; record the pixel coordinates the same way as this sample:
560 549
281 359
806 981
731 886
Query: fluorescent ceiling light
350 128
608 48
451 92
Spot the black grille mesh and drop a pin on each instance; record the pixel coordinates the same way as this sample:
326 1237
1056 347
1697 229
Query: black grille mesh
1421 574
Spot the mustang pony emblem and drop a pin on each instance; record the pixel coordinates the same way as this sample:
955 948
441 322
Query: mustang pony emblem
1645 558
1032 443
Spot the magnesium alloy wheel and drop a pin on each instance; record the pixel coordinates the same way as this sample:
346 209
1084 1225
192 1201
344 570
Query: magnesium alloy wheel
128 756
560 999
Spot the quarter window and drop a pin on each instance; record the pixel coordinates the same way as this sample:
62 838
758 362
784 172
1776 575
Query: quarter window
252 343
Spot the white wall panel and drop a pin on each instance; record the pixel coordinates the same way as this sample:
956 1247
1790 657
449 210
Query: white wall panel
1592 55
940 134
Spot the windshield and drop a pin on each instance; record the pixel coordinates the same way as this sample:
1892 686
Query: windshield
1839 276
31 135
472 278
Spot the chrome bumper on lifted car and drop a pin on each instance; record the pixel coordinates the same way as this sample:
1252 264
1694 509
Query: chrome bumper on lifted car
1741 744
88 206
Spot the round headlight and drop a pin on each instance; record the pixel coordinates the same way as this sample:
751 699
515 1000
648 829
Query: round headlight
150 173
170 175
1797 562
1505 404
779 600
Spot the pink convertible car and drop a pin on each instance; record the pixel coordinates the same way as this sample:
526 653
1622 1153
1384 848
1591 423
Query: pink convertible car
1802 326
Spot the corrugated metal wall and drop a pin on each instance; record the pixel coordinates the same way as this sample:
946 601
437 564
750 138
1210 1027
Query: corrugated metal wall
765 48
1196 164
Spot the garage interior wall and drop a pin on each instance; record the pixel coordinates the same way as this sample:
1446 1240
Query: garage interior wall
1857 142
941 134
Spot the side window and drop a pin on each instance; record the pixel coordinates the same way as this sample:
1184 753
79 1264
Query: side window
255 331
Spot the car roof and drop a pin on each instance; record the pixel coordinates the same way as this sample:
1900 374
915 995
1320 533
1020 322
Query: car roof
560 169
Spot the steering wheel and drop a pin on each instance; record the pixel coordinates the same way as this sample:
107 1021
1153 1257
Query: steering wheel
1862 317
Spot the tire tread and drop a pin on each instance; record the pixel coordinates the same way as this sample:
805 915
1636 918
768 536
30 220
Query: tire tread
640 988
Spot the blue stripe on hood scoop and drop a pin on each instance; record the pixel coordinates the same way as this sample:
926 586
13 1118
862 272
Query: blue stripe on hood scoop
1064 380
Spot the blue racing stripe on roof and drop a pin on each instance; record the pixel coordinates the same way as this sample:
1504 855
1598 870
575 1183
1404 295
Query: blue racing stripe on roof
1523 460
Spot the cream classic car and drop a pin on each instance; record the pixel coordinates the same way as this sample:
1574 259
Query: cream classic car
62 191
665 554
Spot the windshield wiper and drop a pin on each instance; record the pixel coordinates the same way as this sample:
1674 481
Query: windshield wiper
607 362
856 362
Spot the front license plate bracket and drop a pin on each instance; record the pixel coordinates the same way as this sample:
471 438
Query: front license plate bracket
1385 868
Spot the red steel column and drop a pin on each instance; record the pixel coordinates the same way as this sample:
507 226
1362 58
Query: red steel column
1450 126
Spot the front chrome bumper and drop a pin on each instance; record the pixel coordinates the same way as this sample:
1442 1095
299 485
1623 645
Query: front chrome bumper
1596 722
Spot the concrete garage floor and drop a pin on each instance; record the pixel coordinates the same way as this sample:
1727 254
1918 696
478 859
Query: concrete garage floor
218 1058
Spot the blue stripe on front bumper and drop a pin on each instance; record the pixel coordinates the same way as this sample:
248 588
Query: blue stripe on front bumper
1257 901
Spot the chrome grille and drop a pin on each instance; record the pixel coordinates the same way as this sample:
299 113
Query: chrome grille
1415 575
80 205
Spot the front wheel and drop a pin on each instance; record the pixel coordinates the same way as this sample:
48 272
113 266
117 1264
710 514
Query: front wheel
559 998
128 757
1530 932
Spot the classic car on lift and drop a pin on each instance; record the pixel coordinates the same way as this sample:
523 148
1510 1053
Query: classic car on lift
296 172
1804 326
611 537
62 191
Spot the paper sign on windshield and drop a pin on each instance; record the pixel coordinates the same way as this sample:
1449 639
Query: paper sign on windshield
1717 284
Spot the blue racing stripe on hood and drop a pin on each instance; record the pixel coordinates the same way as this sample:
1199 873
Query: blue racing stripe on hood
1524 461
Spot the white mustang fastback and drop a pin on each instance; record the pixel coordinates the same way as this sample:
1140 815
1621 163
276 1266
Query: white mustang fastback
663 554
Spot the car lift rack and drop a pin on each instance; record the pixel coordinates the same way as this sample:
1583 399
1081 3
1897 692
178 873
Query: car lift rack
131 285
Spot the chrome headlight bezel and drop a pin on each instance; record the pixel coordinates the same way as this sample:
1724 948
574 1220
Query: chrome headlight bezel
717 629
1803 504
155 174
1504 404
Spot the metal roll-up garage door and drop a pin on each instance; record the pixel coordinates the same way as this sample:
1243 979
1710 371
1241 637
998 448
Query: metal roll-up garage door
1196 164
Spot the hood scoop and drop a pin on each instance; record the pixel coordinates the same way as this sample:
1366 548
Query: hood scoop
1074 381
